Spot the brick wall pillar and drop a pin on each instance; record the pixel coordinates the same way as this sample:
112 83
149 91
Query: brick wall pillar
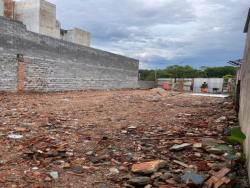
20 76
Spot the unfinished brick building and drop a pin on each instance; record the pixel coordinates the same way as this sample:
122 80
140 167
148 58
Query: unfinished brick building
35 55
39 16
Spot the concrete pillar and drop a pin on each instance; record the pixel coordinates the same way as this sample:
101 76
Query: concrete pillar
20 76
9 6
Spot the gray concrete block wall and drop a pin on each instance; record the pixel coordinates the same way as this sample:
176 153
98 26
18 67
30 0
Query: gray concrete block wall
8 72
57 65
146 84
49 75
244 116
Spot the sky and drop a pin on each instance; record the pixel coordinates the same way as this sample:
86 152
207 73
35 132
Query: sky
160 33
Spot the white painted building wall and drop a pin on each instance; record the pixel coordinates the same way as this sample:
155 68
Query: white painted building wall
212 83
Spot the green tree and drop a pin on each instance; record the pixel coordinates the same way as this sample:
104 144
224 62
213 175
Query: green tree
219 72
176 71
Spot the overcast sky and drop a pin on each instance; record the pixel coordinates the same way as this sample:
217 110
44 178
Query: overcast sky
162 32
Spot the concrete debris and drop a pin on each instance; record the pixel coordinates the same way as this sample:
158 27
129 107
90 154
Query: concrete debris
159 91
54 175
219 149
181 163
77 169
110 139
132 127
180 147
221 119
192 179
114 171
15 136
197 145
148 167
139 181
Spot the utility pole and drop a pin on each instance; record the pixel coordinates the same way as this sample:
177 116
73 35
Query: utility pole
155 74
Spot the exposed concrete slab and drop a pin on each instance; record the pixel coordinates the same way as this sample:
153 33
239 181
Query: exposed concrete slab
28 13
39 16
77 36
210 95
48 23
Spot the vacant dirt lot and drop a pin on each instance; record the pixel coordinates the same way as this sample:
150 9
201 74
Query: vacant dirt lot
91 139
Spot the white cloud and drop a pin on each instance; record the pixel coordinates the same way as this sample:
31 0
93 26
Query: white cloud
162 31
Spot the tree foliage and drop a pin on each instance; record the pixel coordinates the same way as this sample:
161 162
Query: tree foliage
176 71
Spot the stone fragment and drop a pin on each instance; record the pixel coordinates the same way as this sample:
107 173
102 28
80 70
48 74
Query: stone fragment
77 169
221 119
65 165
211 142
114 171
181 163
78 162
216 157
192 179
180 147
156 175
176 141
219 149
139 181
148 167
132 127
171 181
89 153
54 175
69 154
48 179
197 145
35 168
166 176
197 154
15 136
2 162
21 129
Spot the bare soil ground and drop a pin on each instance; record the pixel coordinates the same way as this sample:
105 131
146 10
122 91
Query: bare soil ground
91 139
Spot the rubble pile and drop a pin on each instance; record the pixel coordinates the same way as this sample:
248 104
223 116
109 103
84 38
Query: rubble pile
118 139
